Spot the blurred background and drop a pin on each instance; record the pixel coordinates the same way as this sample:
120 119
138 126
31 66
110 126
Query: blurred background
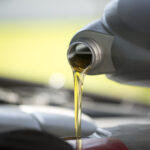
34 38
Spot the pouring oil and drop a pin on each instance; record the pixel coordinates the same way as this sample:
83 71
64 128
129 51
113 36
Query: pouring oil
78 89
80 60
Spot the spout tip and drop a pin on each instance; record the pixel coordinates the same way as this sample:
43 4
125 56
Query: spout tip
83 55
79 56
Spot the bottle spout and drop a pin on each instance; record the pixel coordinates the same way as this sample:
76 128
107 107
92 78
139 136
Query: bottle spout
91 50
84 54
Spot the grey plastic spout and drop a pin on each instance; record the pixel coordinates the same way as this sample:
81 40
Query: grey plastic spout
84 53
96 45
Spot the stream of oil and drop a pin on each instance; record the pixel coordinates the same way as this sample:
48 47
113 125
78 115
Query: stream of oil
80 65
78 89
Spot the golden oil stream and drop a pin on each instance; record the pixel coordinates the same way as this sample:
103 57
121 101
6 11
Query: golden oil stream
78 90
80 63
